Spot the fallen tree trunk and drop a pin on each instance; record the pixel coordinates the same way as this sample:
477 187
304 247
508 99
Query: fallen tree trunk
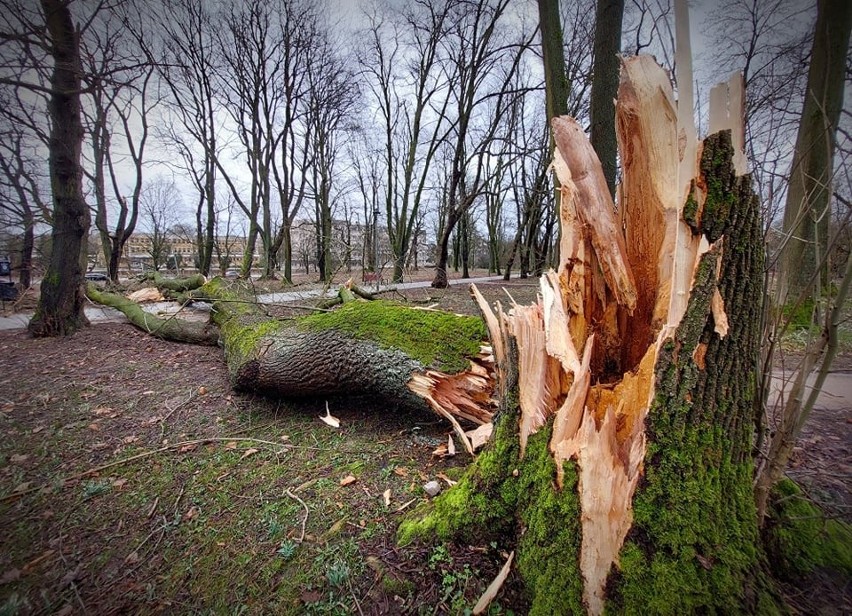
170 328
424 359
621 462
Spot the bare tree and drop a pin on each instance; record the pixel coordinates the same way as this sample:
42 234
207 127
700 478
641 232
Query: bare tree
189 61
60 308
402 67
159 207
485 66
119 81
332 97
23 203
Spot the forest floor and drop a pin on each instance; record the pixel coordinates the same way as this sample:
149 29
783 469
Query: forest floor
134 481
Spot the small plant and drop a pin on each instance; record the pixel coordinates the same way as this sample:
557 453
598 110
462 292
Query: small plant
439 555
286 550
274 527
338 574
95 488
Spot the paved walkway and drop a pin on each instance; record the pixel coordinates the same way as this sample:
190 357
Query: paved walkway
102 314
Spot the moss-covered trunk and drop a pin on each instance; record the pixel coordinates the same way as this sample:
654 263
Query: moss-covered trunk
652 510
422 359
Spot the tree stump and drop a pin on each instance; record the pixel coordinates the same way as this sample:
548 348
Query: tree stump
621 463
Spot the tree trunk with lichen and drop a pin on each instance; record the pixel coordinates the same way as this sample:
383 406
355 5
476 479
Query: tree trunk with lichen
621 464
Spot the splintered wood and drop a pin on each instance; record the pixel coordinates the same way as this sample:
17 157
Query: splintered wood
466 395
587 350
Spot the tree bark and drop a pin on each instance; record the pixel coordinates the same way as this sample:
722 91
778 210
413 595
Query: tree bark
608 22
60 307
622 470
807 213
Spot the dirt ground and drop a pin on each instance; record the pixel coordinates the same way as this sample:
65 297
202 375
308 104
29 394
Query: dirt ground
134 481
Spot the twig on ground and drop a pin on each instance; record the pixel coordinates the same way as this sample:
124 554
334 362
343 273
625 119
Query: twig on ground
354 598
289 493
171 412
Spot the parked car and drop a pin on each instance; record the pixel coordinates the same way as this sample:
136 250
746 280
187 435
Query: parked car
96 277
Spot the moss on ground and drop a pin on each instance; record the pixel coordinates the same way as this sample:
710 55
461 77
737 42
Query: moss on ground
800 538
439 340
499 491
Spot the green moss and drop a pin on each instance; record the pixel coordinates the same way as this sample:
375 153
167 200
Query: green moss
549 547
690 210
721 196
799 538
439 340
481 503
242 338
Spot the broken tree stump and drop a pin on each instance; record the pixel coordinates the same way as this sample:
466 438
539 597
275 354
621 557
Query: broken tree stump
621 460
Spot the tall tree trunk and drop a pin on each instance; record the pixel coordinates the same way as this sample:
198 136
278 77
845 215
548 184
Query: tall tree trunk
25 270
60 307
555 76
608 23
623 472
806 213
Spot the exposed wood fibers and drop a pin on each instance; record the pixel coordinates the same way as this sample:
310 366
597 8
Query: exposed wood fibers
587 350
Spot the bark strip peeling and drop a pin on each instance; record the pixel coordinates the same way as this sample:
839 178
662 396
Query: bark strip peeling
587 350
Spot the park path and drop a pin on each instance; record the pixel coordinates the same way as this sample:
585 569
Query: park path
103 314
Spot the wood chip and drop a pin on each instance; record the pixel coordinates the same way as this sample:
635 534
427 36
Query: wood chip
494 587
348 480
329 419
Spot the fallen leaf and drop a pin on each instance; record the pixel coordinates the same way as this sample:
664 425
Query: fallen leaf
119 483
132 558
329 419
386 496
231 445
37 429
18 458
248 452
94 427
12 575
22 487
102 410
349 479
38 560
69 577
451 446
189 447
401 471
130 439
191 514
440 451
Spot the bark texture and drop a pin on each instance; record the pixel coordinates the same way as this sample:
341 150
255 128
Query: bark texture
806 212
60 307
621 460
